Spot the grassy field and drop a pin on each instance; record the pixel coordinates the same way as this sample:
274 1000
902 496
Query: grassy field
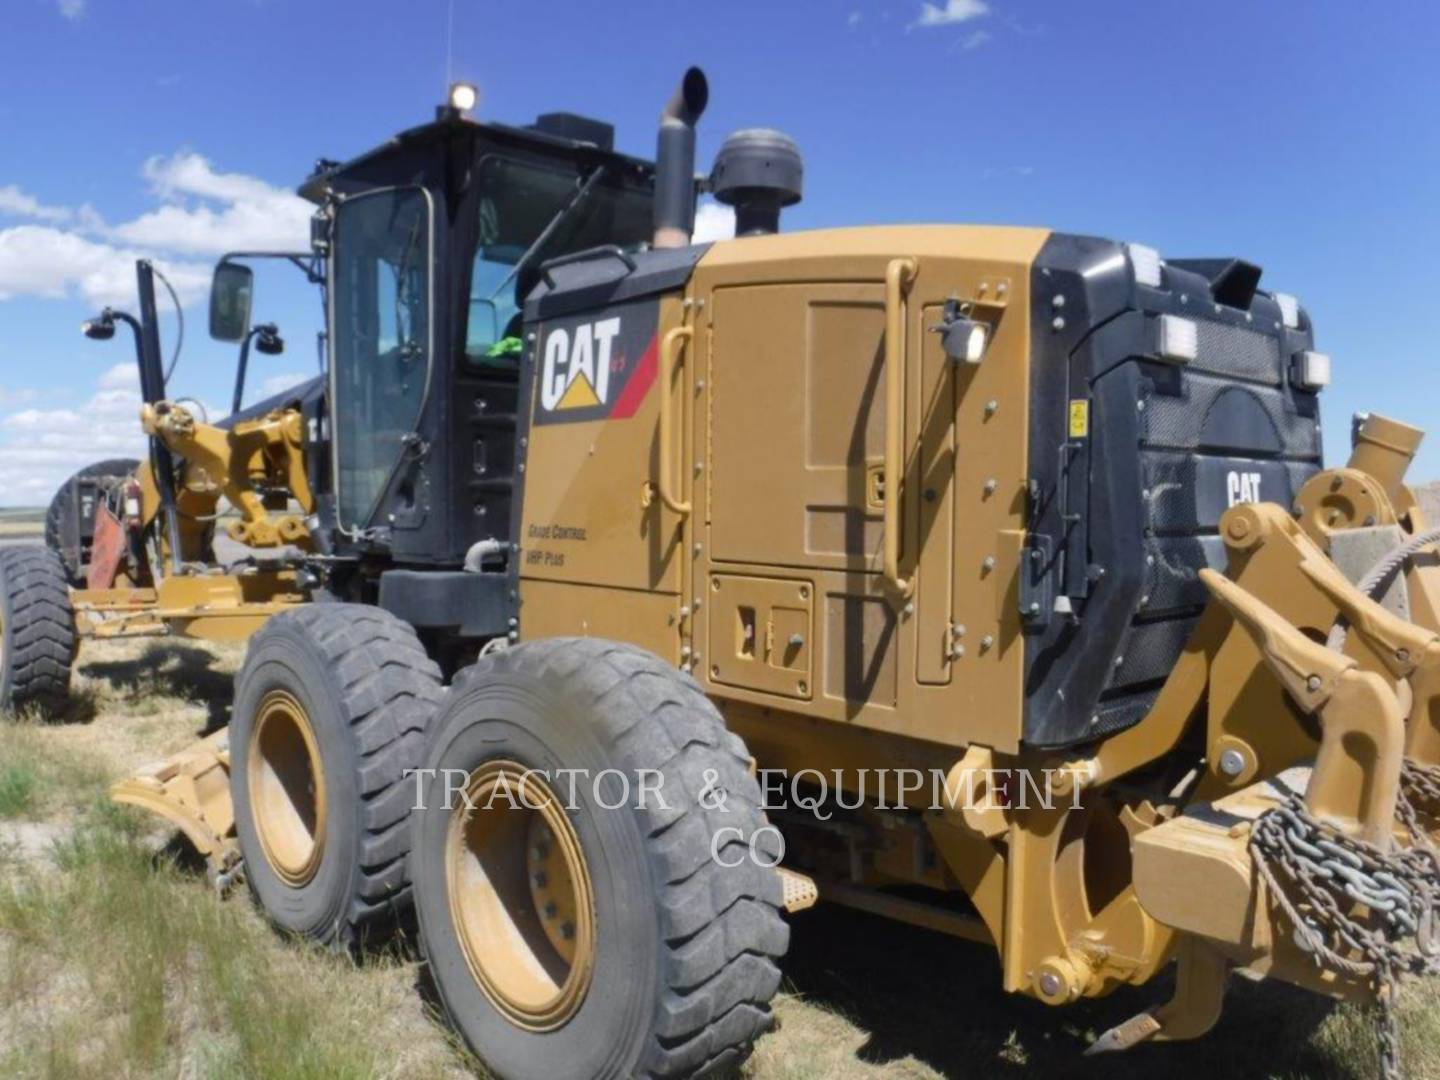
22 522
117 960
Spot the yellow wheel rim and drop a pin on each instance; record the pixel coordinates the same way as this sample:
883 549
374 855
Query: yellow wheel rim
520 896
287 788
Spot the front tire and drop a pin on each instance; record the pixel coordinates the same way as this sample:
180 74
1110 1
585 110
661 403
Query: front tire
331 708
37 630
570 939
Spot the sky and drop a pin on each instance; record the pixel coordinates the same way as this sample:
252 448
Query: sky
1300 136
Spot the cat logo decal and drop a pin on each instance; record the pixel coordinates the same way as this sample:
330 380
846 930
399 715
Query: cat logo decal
597 368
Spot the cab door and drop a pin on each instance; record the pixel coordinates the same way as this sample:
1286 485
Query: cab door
382 349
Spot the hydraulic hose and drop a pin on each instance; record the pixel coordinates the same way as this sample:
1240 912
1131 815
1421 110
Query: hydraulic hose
1377 579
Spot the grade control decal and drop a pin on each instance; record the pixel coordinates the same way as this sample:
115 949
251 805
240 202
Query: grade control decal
597 366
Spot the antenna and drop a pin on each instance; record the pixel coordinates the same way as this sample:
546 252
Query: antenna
449 43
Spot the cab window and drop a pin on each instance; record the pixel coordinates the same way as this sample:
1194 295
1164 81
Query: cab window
518 202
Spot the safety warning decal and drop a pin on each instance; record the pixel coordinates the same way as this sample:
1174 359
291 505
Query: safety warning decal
1079 418
597 366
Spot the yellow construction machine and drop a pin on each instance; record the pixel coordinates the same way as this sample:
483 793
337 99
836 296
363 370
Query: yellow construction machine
988 579
130 545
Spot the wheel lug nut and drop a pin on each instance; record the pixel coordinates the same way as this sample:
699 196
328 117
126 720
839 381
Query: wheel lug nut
541 880
549 911
567 931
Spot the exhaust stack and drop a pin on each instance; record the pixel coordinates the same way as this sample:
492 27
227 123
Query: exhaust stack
675 161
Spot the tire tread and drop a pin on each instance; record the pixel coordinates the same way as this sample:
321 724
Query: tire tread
390 689
722 930
41 628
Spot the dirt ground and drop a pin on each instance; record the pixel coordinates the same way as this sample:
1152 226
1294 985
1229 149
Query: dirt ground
117 960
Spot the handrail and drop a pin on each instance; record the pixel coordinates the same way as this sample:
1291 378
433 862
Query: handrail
668 353
897 279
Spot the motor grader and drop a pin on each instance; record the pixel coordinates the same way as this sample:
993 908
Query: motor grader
749 535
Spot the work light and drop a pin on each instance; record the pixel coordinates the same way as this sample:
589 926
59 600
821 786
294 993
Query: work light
965 341
463 96
101 328
1146 261
1311 370
1289 309
1177 339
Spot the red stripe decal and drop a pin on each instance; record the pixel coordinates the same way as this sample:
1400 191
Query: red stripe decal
641 379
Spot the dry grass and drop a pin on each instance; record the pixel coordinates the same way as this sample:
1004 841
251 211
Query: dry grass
22 523
116 959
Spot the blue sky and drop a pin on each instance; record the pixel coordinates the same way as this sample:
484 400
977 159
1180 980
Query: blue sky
1303 137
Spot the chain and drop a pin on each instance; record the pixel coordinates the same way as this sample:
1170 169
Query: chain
1317 875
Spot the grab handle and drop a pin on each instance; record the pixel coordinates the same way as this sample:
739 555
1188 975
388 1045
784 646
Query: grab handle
669 352
897 280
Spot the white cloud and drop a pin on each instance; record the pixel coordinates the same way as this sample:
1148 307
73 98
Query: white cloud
72 9
41 448
252 214
714 221
17 203
121 377
58 252
65 251
854 19
975 40
10 398
50 263
954 11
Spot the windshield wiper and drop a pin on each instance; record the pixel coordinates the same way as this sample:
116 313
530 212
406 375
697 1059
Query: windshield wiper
404 328
549 231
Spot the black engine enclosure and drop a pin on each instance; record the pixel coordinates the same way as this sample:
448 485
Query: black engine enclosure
1122 518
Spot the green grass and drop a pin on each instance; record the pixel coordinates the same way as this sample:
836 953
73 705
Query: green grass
17 790
41 777
139 956
116 957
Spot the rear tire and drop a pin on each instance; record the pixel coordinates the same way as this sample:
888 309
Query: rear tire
684 947
331 708
37 630
61 507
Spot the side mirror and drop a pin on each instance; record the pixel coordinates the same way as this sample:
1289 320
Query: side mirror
231 292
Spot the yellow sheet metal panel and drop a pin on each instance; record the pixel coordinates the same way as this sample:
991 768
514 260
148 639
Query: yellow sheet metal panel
838 254
793 328
561 609
591 463
795 420
761 633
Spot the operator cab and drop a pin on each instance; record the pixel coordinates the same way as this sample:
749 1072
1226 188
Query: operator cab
426 248
433 241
